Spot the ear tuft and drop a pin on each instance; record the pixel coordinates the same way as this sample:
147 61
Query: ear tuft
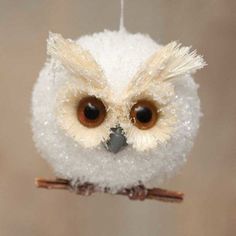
178 61
171 61
75 59
55 45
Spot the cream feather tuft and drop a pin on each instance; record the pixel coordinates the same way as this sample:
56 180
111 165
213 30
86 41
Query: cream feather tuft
174 61
171 61
75 59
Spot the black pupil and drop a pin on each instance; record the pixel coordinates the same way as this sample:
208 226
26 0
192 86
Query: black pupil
143 114
91 112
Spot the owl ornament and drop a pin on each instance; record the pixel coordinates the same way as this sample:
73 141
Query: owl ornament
113 110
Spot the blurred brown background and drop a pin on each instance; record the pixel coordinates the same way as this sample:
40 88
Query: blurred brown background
208 179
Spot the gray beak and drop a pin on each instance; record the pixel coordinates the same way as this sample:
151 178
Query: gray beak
116 141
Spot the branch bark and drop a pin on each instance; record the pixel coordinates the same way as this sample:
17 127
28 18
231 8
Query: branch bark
139 192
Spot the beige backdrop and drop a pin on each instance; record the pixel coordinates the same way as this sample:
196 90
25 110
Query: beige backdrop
208 179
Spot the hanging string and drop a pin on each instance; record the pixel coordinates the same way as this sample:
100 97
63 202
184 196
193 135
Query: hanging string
122 26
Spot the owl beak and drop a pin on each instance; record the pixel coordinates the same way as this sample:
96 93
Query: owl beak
116 141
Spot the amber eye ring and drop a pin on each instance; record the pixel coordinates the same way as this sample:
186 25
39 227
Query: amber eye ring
144 114
91 112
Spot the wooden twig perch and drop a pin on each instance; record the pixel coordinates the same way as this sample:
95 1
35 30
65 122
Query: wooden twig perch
137 193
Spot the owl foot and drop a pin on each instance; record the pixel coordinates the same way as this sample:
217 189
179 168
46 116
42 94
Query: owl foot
85 189
138 192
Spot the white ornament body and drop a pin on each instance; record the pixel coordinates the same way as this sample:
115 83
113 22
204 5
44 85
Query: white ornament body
120 55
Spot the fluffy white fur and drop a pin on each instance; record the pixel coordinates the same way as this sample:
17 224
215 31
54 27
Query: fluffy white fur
119 68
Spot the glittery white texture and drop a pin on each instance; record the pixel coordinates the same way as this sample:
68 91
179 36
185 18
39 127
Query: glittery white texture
120 55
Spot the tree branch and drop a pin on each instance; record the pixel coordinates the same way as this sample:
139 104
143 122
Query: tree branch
139 192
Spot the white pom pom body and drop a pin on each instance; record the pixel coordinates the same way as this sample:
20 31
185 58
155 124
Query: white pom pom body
120 55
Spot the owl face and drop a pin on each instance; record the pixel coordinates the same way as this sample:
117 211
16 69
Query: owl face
115 108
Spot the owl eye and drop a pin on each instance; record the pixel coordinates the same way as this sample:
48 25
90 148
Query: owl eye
144 114
91 112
